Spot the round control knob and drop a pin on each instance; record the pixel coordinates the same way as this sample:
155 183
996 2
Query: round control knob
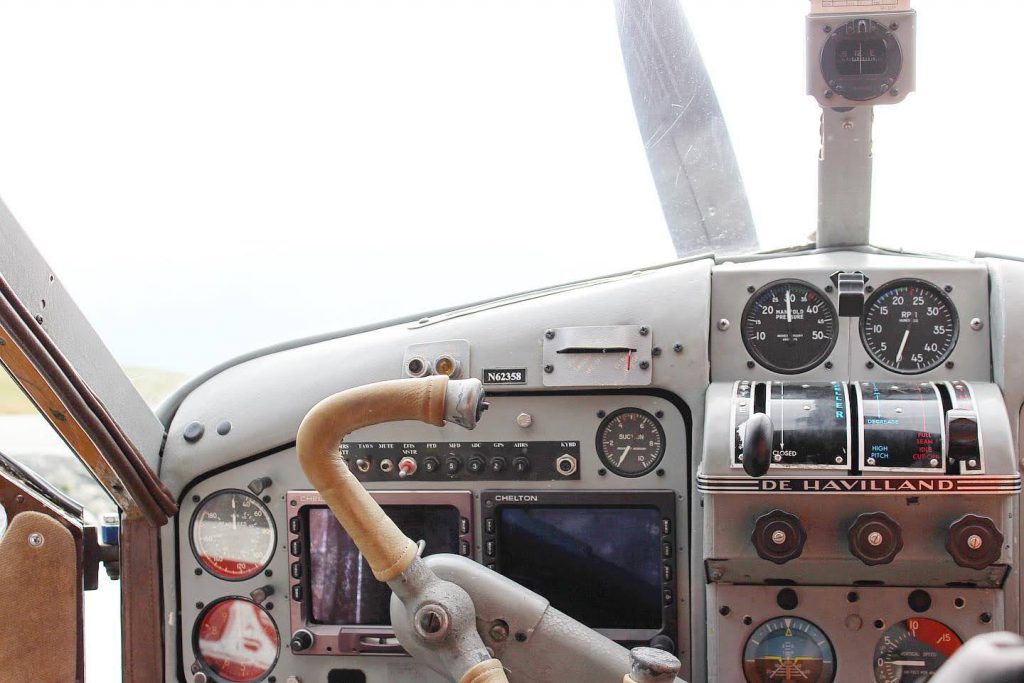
779 537
301 640
651 665
875 538
757 445
974 542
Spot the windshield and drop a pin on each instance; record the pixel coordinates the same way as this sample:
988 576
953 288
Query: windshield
208 179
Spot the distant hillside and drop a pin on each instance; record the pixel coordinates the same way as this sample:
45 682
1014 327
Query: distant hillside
154 385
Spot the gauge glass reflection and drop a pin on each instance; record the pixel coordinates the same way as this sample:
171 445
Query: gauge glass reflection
233 535
913 650
788 649
237 640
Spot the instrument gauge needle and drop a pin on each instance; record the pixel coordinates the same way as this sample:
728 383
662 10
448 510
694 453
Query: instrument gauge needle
903 345
905 662
624 452
234 521
789 309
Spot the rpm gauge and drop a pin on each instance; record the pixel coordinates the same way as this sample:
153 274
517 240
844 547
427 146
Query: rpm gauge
789 326
913 650
630 442
789 649
909 326
233 535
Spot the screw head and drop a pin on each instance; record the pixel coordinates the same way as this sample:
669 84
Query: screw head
976 324
828 365
432 622
974 542
869 365
750 364
950 364
656 351
644 364
779 537
549 368
36 540
948 289
875 539
549 334
644 331
751 289
724 324
678 348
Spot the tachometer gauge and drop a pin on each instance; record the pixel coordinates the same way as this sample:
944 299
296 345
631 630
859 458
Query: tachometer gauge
789 649
233 535
630 442
909 326
236 640
789 326
913 650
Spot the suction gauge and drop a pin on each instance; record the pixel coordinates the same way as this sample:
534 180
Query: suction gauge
789 326
233 535
630 442
909 326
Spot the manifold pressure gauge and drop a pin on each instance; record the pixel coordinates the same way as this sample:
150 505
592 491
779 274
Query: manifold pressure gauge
233 535
789 326
630 442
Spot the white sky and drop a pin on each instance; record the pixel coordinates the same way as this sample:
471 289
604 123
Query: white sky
208 177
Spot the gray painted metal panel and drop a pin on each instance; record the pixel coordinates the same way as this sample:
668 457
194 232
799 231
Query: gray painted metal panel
41 291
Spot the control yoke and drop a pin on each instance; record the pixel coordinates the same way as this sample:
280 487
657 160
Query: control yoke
443 604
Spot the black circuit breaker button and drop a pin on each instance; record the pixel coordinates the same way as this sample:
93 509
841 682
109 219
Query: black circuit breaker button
295 547
490 525
297 593
490 548
498 465
666 526
520 465
295 525
666 550
666 572
974 542
476 465
431 464
464 548
463 526
452 465
875 538
778 537
296 570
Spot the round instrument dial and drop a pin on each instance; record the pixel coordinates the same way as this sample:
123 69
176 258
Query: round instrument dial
913 650
236 640
909 326
789 326
233 535
630 442
789 649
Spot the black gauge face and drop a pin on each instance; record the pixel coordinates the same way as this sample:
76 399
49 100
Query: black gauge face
630 442
861 60
913 650
789 649
909 326
233 536
789 326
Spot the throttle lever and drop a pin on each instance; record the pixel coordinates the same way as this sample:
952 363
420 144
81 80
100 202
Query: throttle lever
757 445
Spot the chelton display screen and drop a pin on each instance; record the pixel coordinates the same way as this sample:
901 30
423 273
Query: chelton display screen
343 589
599 565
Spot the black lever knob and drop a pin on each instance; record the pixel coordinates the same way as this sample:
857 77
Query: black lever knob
875 538
779 537
757 445
974 542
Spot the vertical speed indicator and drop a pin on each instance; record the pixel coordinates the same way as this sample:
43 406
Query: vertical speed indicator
909 326
789 326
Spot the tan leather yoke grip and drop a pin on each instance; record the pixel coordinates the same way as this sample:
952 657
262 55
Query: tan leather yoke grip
388 551
489 671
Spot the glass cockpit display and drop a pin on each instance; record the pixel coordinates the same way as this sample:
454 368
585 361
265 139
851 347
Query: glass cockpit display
789 326
788 649
233 535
